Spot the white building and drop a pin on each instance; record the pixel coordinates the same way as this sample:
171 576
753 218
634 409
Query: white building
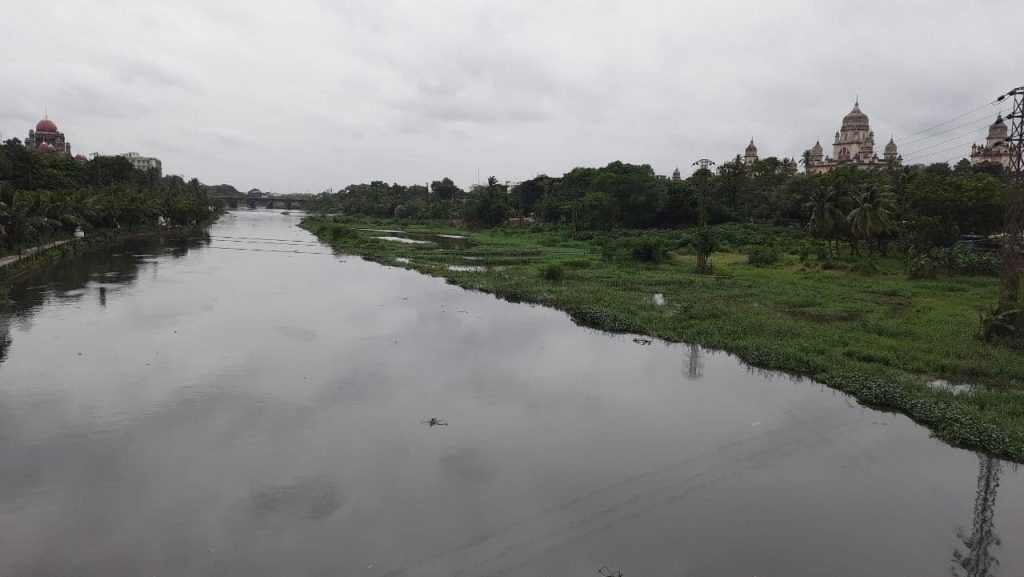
996 149
144 162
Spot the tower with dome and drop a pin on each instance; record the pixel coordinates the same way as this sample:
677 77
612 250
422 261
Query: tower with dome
854 145
47 138
995 150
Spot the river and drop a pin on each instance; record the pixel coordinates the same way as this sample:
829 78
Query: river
251 404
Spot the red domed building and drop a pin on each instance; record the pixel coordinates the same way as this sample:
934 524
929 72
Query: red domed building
47 138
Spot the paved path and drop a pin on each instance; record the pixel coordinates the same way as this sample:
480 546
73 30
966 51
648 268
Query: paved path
4 261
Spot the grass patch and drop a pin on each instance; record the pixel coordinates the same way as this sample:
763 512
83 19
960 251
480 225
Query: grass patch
879 337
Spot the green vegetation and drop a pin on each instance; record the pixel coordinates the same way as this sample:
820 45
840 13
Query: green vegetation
881 338
47 196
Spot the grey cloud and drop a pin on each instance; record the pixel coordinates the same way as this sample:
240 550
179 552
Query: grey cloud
341 92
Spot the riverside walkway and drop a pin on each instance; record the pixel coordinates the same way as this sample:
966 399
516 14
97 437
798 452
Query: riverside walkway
8 260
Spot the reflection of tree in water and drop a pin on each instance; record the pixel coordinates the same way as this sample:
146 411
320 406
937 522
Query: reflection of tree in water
5 337
111 264
979 560
695 363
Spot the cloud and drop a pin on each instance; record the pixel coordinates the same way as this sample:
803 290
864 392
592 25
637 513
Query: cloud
311 94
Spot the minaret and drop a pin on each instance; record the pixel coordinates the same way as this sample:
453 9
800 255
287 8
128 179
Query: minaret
891 154
750 155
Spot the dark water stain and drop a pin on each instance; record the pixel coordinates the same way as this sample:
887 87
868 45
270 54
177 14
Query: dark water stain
314 498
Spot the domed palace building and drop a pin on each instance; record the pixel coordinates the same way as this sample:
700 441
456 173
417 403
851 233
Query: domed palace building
996 149
46 138
854 145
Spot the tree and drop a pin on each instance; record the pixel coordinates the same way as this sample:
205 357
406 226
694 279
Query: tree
826 215
485 206
871 217
445 189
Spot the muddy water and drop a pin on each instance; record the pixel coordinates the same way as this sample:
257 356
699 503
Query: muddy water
250 404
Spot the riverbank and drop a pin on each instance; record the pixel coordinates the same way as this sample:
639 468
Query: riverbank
889 341
14 266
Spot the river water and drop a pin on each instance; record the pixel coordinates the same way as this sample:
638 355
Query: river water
250 404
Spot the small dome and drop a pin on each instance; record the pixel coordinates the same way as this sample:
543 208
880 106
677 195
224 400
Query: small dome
46 147
80 158
998 128
856 119
816 149
891 147
751 149
46 125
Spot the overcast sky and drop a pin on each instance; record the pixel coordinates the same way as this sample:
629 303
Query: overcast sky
303 95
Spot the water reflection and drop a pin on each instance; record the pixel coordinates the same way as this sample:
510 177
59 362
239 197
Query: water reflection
250 413
105 268
978 558
694 363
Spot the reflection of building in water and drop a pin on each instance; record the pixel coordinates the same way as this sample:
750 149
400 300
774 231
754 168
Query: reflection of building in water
979 560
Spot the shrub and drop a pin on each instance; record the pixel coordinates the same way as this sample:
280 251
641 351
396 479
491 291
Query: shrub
952 261
646 249
552 272
763 256
865 266
339 232
649 250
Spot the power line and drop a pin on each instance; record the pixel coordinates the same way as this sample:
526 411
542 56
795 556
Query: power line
969 112
265 250
919 158
972 136
984 119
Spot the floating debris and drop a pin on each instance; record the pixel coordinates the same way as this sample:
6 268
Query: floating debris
643 341
659 299
435 422
606 572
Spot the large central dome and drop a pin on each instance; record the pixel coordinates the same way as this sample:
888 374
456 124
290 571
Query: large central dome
856 119
46 125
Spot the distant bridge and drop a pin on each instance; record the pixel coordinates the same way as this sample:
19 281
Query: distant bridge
286 202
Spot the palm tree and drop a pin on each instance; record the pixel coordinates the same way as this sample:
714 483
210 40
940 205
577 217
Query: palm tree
871 217
826 214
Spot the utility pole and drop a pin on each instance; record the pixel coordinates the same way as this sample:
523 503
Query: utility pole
703 234
979 560
1013 238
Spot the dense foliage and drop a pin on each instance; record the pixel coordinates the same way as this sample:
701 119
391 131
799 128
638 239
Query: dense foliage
47 195
919 207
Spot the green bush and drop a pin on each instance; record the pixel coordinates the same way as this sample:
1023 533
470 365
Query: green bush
649 250
645 249
339 232
763 256
552 272
953 261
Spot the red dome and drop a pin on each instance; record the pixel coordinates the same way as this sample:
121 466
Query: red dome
80 158
46 147
46 125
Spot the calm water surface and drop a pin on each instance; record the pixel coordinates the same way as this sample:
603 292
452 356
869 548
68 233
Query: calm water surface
250 404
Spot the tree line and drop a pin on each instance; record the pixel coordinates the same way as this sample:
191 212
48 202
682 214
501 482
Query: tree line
920 206
45 195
